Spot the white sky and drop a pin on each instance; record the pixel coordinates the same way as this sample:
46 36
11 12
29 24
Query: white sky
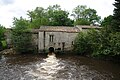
17 8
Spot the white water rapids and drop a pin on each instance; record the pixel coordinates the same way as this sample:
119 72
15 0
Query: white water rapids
38 67
46 70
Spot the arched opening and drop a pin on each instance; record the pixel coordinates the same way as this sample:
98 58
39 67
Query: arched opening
51 50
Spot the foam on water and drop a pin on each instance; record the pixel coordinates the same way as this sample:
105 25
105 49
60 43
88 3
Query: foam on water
46 70
21 67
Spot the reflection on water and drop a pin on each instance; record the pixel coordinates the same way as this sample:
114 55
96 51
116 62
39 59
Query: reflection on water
38 67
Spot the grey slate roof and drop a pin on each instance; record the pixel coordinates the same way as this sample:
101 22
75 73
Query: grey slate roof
75 29
88 27
59 29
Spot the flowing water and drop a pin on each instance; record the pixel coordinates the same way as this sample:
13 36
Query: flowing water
63 67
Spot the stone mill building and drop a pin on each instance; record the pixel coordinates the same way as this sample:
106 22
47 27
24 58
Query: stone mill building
59 37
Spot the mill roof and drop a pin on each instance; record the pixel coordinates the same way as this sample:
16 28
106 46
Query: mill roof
88 27
59 29
75 29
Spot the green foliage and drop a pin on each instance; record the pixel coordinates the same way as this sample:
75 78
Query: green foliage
81 22
59 18
115 43
38 17
21 37
78 12
81 45
116 16
86 15
98 43
91 16
107 21
55 16
105 42
4 44
2 31
2 36
52 16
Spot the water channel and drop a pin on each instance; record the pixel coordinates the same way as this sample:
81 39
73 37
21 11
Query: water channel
62 67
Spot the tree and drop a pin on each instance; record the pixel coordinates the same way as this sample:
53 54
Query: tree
2 31
54 8
58 17
116 16
91 16
98 43
81 44
21 37
87 14
81 22
38 17
78 12
107 21
52 16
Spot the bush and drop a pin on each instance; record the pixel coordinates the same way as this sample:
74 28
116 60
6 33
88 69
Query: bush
2 37
21 36
98 43
81 44
4 44
21 41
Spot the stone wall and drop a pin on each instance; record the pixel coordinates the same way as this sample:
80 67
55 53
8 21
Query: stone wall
35 40
61 40
8 38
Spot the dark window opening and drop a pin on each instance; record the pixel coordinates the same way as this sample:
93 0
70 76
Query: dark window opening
51 49
72 43
51 38
58 44
63 46
59 49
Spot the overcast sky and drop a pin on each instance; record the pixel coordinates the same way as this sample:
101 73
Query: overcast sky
17 8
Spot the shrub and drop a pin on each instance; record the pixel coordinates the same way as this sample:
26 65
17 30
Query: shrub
81 44
21 36
2 37
98 43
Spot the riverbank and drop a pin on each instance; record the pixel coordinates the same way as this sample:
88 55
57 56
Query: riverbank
10 51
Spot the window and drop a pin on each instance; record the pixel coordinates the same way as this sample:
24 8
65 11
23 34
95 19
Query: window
58 44
51 38
72 43
63 46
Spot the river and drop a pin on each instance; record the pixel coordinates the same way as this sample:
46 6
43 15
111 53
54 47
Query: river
62 67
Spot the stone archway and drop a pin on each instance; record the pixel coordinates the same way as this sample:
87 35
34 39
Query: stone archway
51 49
